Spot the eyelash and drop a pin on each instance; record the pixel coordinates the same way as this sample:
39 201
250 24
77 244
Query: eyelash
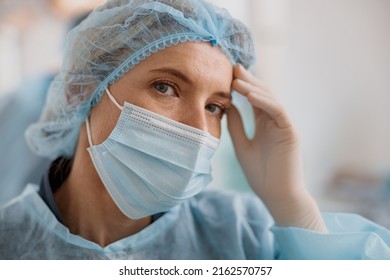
165 82
222 108
176 89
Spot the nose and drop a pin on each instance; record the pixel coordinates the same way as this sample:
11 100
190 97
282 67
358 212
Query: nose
195 117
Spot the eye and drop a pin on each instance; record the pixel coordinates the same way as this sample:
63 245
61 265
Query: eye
164 88
216 110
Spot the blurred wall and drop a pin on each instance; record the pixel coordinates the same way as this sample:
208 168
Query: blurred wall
32 34
336 84
328 62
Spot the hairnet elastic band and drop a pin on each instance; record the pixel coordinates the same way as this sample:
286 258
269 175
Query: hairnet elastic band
148 50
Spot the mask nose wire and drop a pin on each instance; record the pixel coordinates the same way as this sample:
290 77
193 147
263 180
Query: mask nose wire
113 100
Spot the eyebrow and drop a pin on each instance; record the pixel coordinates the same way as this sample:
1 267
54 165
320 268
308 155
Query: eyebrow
187 80
175 73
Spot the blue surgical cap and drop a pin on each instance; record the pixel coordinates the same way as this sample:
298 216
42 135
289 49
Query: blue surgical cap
113 39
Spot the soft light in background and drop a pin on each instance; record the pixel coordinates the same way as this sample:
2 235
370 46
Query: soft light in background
328 62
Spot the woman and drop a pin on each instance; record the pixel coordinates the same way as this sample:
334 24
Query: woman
134 118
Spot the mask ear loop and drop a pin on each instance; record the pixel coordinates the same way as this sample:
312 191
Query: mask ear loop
120 107
88 132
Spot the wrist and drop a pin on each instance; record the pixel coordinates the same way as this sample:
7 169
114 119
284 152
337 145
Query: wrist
296 210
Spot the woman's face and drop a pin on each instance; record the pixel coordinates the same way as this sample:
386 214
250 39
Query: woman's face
189 83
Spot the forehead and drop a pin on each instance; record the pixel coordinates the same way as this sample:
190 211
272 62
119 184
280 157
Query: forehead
198 60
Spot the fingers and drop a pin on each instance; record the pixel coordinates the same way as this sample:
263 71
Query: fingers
274 110
259 96
239 72
237 131
245 88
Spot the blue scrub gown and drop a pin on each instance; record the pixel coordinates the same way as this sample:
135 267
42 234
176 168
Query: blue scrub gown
212 225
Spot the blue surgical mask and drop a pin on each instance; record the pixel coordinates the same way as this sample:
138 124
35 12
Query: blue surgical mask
150 163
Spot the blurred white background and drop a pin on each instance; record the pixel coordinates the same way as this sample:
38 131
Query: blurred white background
328 61
32 34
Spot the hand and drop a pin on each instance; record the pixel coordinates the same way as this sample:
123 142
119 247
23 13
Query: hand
271 160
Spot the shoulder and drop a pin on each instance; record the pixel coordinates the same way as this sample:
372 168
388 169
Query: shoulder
29 190
216 204
19 223
231 225
18 209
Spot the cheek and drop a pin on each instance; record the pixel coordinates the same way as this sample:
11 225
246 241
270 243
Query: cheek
108 125
103 120
215 128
